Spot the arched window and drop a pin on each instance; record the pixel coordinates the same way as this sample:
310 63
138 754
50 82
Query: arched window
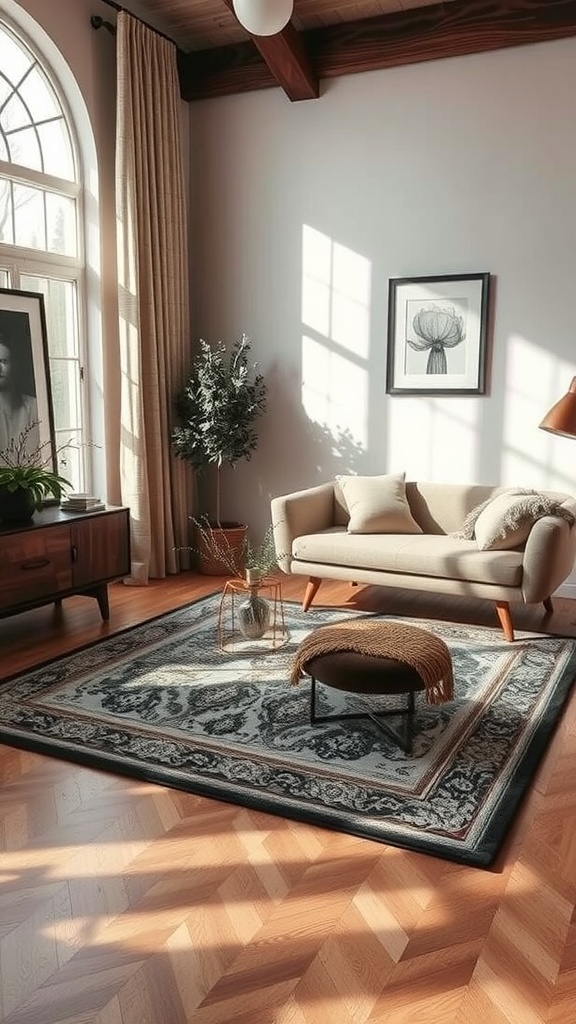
41 227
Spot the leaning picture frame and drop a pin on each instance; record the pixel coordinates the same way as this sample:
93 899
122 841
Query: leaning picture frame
437 334
26 413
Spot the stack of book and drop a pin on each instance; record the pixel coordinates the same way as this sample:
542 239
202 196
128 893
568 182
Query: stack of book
81 502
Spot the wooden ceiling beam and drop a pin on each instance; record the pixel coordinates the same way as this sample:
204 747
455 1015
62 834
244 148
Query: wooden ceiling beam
285 56
389 40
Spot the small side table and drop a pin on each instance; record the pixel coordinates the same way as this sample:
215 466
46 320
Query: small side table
230 637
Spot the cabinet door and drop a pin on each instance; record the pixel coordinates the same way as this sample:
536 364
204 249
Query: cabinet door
100 548
34 565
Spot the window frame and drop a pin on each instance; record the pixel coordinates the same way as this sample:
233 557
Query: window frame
17 260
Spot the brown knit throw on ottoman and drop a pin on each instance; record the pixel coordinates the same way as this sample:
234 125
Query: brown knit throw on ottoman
423 651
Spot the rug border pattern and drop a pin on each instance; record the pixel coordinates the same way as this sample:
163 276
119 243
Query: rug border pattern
481 855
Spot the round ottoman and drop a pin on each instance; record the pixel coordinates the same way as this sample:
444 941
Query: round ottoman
363 656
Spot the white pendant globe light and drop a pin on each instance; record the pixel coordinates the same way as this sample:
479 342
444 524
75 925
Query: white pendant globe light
263 17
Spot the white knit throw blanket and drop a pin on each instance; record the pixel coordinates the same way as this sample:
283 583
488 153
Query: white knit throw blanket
534 507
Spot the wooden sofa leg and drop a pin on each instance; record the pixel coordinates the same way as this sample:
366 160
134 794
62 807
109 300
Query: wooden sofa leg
503 612
311 591
548 605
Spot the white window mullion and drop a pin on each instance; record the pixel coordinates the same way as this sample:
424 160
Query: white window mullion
30 176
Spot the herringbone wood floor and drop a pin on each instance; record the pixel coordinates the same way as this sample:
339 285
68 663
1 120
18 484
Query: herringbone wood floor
126 903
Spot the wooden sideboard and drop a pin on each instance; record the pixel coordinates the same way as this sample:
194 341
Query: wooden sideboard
58 554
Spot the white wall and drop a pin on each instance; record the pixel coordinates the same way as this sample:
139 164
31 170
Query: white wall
453 166
448 167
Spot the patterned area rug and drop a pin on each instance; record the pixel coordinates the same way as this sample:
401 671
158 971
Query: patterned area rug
162 702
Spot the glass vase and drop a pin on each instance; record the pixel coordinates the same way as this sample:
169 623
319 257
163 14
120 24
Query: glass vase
253 615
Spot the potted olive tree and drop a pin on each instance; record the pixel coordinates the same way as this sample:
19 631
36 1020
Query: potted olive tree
216 412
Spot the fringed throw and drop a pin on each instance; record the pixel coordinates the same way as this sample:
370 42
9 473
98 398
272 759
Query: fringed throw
534 507
423 651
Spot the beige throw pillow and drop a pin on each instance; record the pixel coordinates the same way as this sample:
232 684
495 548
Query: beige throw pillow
377 504
507 519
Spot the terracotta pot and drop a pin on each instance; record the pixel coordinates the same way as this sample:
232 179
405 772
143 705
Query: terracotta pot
228 536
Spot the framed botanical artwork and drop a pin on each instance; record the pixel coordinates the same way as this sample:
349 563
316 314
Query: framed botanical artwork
437 328
26 416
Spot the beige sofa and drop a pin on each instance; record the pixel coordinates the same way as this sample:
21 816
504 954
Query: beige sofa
312 539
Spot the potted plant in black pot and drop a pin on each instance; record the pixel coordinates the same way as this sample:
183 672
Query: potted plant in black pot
26 481
216 411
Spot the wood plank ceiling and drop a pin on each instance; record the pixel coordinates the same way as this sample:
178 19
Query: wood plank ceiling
329 38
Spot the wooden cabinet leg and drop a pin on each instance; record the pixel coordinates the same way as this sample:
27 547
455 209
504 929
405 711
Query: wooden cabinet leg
503 612
311 591
101 595
548 605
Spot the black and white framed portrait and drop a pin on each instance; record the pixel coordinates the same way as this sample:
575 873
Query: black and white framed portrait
437 328
25 398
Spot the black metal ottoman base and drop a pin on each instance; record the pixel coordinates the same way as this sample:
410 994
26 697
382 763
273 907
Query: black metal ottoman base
402 737
353 672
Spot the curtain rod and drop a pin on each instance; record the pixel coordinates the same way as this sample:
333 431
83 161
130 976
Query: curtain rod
97 22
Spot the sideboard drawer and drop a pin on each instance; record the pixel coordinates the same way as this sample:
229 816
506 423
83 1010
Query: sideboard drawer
58 554
34 565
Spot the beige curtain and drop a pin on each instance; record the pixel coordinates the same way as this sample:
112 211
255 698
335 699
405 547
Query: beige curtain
153 296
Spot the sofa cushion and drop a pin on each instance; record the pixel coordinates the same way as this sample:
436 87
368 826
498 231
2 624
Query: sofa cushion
506 520
377 504
418 554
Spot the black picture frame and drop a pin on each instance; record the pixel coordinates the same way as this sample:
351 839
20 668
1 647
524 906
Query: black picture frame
437 334
23 334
